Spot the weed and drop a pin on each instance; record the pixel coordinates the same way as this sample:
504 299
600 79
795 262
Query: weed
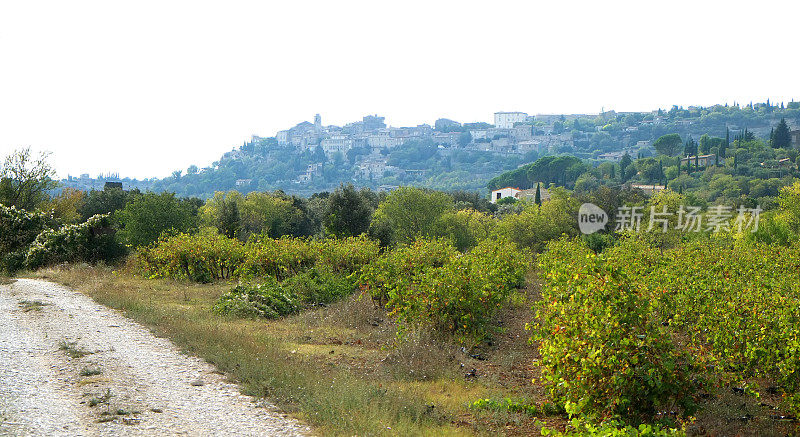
72 349
89 371
32 305
104 399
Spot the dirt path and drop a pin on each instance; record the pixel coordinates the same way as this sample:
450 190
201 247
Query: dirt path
143 385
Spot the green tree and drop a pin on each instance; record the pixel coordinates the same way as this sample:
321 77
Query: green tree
781 139
464 138
146 217
25 179
668 144
107 201
223 211
273 214
409 213
623 164
538 198
349 212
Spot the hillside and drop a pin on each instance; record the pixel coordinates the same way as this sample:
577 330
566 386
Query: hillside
311 157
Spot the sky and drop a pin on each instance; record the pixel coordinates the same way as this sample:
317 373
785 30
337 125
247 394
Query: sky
143 88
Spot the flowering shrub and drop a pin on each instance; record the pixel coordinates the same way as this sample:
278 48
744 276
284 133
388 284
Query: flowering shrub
204 257
18 229
269 300
92 240
429 283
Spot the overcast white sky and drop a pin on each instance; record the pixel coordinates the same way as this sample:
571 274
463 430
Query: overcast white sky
147 87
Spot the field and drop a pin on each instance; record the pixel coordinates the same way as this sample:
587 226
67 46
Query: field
343 368
337 366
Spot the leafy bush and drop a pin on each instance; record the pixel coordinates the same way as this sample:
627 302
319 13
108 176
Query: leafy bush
735 298
320 286
203 257
602 345
403 268
18 229
346 255
149 215
518 406
268 300
429 284
536 225
279 258
91 241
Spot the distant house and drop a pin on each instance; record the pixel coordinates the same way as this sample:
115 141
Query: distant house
529 194
505 192
648 189
795 135
506 120
701 161
611 156
243 182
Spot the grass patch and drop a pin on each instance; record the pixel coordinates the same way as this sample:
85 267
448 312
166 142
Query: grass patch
5 280
335 367
72 350
32 305
90 371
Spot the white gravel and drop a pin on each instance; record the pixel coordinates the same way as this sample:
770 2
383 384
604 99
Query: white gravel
160 390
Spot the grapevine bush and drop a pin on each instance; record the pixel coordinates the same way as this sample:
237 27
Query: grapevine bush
602 347
731 304
204 257
740 298
428 283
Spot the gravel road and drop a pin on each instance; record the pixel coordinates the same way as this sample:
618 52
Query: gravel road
145 385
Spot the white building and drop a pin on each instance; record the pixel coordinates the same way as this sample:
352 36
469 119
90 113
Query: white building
282 137
382 140
504 192
506 120
337 143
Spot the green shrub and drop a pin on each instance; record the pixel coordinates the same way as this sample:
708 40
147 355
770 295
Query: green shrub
346 255
279 258
203 257
90 241
268 300
18 229
430 284
402 268
147 216
602 344
320 286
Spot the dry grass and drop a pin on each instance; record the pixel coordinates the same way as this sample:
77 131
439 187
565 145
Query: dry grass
339 367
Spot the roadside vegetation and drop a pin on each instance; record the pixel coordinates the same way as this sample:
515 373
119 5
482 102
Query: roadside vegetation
419 312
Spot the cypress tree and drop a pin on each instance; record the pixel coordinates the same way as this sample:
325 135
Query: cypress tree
538 198
781 138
